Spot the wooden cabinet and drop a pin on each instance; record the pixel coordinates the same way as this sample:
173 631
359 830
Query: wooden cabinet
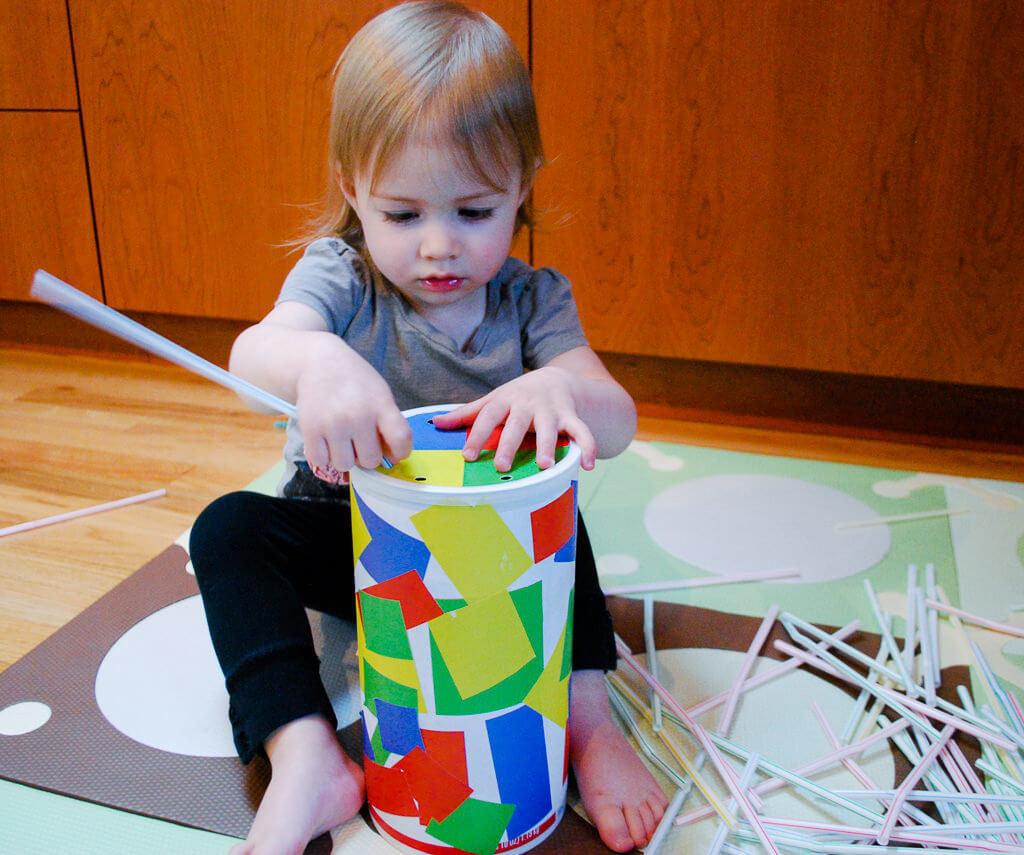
785 183
830 186
45 213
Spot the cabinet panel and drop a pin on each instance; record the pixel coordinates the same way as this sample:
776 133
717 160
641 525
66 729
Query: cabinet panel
45 219
790 183
207 126
36 70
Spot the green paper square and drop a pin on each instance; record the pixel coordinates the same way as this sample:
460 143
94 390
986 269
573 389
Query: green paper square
474 826
384 626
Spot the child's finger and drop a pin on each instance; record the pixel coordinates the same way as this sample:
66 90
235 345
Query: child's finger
459 417
485 423
395 436
546 433
512 435
584 439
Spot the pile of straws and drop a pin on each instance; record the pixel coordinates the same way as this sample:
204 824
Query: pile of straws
972 807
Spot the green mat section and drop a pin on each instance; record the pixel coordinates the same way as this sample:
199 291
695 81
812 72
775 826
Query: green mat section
40 823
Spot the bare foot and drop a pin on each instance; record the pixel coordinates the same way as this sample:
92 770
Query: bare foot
314 786
619 793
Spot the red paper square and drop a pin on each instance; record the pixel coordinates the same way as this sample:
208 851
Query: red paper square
418 606
553 525
436 792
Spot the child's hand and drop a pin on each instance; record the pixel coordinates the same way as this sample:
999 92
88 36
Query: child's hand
349 418
541 401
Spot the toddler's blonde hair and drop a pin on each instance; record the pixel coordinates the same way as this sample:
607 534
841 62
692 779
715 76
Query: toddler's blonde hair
436 70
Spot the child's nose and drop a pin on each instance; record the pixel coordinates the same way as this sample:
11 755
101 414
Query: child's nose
439 242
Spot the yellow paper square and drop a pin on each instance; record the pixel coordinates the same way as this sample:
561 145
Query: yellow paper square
442 468
474 548
482 643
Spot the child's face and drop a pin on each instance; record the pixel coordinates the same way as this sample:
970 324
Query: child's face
433 230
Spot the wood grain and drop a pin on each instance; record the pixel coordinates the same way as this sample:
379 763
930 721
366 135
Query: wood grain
791 183
36 66
45 217
79 430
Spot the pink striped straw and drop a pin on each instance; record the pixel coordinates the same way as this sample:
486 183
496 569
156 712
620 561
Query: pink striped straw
725 722
910 782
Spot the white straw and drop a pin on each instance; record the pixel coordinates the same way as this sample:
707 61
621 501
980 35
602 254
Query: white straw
923 515
95 509
704 581
60 295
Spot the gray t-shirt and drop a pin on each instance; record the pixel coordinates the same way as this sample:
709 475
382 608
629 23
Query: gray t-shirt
530 319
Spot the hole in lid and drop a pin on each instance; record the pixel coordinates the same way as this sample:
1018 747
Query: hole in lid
430 421
421 477
506 477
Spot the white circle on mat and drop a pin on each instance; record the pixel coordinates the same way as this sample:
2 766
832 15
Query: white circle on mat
160 684
734 524
21 718
617 564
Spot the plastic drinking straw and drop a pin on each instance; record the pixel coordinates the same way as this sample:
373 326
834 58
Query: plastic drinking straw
909 641
702 736
978 797
884 626
745 778
57 293
60 295
900 703
665 825
910 782
652 659
691 769
933 622
703 582
922 515
725 722
977 620
645 746
860 705
71 515
767 676
813 767
927 672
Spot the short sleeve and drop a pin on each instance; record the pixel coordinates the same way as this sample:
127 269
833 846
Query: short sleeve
331 279
550 322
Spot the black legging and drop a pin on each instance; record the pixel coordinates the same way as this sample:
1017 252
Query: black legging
260 561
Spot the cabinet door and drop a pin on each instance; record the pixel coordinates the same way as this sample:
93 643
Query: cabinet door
36 71
812 185
207 128
45 219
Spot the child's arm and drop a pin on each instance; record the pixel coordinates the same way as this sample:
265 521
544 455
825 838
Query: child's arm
572 394
345 408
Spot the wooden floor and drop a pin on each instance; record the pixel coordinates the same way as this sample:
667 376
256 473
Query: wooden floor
80 430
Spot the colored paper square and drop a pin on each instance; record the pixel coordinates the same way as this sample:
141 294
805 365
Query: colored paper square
550 694
387 789
360 534
447 748
390 552
513 689
378 687
482 644
438 468
384 626
474 548
436 792
400 670
367 740
425 436
553 525
521 766
399 727
474 826
418 606
481 472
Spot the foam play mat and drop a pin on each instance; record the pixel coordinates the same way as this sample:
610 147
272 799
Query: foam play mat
114 735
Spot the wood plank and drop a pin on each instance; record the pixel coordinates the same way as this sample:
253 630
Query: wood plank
36 67
790 183
45 215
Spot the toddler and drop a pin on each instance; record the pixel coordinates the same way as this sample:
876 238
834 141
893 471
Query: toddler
406 296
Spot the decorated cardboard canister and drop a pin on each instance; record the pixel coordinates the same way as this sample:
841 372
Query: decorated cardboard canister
464 592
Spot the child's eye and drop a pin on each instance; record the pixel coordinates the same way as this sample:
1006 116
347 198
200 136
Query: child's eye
476 214
400 217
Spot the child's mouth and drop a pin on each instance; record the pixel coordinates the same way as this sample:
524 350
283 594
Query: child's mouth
442 284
